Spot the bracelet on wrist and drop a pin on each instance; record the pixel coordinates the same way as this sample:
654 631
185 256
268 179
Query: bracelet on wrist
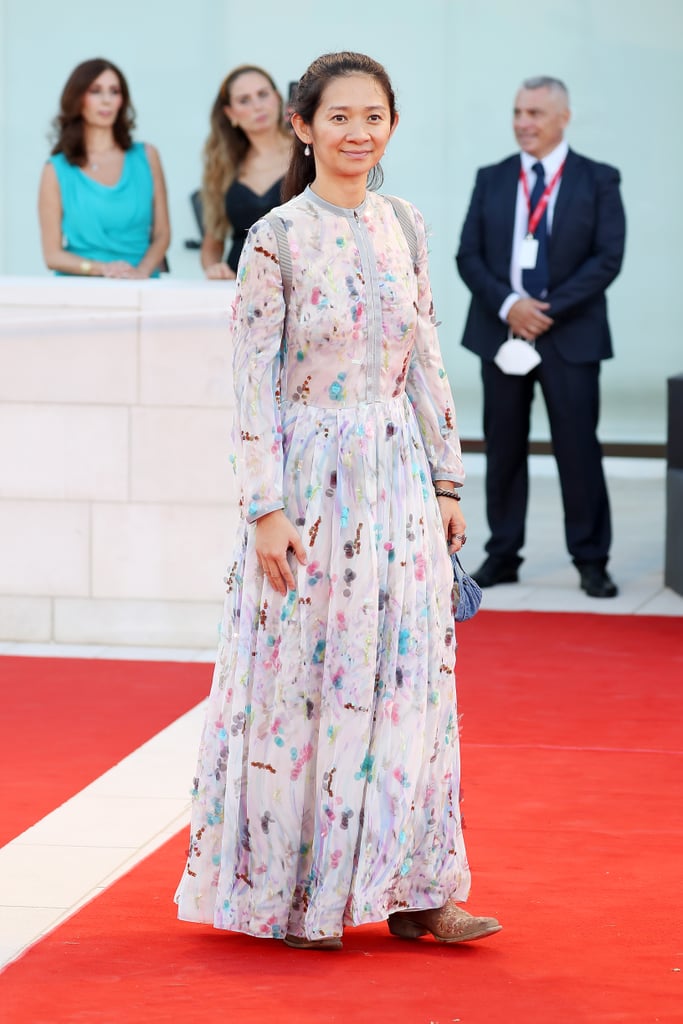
441 492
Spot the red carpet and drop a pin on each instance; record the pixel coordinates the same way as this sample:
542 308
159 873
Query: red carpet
66 721
573 771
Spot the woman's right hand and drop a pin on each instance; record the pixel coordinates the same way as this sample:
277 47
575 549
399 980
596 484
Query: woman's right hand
275 536
220 272
118 268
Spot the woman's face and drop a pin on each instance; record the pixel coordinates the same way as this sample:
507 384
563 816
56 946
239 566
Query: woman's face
254 104
102 100
350 129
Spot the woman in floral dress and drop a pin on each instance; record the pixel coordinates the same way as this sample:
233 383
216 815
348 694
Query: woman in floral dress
328 780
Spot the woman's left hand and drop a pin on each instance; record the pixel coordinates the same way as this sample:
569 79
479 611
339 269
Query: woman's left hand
454 524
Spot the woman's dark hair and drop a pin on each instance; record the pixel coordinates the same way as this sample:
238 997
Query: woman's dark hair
68 125
306 100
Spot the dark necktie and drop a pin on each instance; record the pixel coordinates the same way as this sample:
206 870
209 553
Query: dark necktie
535 281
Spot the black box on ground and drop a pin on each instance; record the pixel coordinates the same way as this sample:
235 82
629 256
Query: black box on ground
673 555
674 434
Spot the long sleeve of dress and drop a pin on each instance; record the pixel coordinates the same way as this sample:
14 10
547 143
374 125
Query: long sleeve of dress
257 328
427 384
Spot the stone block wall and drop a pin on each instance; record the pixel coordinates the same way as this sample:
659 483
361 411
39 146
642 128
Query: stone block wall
118 503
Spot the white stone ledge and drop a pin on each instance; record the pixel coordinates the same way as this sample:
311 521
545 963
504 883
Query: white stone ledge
186 364
97 293
161 552
44 548
69 363
179 624
69 452
118 503
26 619
162 439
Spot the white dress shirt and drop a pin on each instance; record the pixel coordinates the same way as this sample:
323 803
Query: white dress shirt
551 164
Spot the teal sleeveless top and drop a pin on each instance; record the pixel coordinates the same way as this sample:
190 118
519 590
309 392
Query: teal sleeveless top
107 222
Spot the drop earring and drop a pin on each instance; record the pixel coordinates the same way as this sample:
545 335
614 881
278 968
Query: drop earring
307 150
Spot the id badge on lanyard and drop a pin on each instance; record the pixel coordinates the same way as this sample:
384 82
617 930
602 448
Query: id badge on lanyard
528 253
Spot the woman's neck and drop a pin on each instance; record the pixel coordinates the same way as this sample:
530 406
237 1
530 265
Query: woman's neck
268 144
346 192
98 140
265 161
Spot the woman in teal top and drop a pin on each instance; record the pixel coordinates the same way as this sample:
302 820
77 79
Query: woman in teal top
102 203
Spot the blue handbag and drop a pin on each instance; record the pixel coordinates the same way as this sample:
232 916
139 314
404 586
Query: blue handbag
466 592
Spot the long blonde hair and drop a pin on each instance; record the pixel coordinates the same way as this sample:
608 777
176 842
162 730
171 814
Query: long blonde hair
224 151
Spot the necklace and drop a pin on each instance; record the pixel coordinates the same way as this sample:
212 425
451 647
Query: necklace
98 156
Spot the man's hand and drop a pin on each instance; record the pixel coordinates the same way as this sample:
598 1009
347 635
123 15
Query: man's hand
527 319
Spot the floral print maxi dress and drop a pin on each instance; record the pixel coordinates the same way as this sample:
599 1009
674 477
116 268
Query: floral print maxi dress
327 790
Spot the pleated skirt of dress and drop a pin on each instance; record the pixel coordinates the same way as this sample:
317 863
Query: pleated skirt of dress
327 787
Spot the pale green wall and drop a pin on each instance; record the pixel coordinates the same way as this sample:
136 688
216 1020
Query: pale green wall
455 65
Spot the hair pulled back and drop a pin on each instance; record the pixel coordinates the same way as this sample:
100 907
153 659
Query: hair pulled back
554 85
224 151
307 97
69 127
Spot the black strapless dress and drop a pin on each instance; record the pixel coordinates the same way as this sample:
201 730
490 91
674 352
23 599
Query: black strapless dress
244 207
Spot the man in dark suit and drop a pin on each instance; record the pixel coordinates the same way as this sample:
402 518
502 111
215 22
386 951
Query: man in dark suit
542 240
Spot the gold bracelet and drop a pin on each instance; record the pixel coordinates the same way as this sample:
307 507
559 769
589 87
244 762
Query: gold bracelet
86 266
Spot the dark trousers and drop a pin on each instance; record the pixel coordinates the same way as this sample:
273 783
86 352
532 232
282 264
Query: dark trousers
572 396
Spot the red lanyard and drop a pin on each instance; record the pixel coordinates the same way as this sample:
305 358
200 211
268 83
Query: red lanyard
535 217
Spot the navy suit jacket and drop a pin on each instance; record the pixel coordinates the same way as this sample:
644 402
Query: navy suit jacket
585 252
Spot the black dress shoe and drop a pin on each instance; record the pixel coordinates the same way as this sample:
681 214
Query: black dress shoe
494 571
596 581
